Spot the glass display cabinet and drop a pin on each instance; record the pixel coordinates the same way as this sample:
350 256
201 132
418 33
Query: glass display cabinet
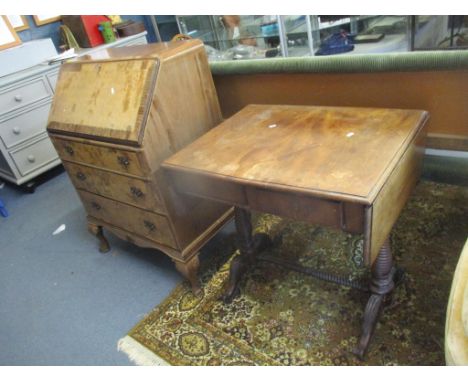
439 32
230 37
234 37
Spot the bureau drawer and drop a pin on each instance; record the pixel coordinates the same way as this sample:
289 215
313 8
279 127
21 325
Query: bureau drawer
23 95
24 126
132 219
34 156
129 190
126 162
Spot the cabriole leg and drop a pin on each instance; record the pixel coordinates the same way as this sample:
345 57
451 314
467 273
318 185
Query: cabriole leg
96 230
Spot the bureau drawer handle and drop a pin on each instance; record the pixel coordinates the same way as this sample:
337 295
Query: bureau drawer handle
136 192
80 176
95 206
69 150
16 130
18 98
149 225
124 161
31 158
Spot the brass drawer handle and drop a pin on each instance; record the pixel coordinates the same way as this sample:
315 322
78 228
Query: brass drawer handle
149 225
69 150
124 161
136 192
80 175
95 206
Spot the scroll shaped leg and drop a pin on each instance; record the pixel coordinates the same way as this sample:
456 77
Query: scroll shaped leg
381 285
189 270
249 246
96 230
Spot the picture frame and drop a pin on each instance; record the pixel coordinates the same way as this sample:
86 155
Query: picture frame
19 23
8 36
46 19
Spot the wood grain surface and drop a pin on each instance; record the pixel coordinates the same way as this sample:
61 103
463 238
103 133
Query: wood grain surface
394 194
137 192
442 93
125 160
116 116
107 101
134 220
341 153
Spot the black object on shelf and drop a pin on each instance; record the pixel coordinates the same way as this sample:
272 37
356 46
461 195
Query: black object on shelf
272 52
129 28
366 38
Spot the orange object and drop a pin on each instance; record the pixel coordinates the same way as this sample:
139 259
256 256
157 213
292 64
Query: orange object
85 29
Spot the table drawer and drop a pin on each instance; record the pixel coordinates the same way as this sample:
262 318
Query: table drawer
34 156
122 188
346 216
132 219
23 95
106 157
20 128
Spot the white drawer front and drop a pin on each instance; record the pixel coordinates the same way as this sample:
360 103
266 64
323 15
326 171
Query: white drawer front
24 95
34 156
137 42
52 78
22 127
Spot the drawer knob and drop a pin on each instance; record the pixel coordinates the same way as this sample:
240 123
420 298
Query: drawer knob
69 150
18 98
136 192
31 158
80 176
149 225
124 161
95 206
16 130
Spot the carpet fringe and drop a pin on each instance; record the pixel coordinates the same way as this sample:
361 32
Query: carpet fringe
139 354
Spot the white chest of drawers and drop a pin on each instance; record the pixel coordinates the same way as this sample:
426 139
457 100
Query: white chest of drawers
25 98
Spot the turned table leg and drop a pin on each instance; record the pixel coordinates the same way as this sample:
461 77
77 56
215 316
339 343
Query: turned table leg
189 270
96 230
249 245
381 285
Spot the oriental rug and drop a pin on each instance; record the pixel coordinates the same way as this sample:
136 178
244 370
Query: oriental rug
287 318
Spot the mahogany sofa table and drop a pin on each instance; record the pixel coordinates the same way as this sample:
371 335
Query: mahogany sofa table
348 168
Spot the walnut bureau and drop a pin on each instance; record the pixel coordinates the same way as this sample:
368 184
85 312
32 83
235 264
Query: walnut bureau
348 168
114 119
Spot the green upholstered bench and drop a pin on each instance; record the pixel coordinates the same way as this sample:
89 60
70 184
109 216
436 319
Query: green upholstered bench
359 63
